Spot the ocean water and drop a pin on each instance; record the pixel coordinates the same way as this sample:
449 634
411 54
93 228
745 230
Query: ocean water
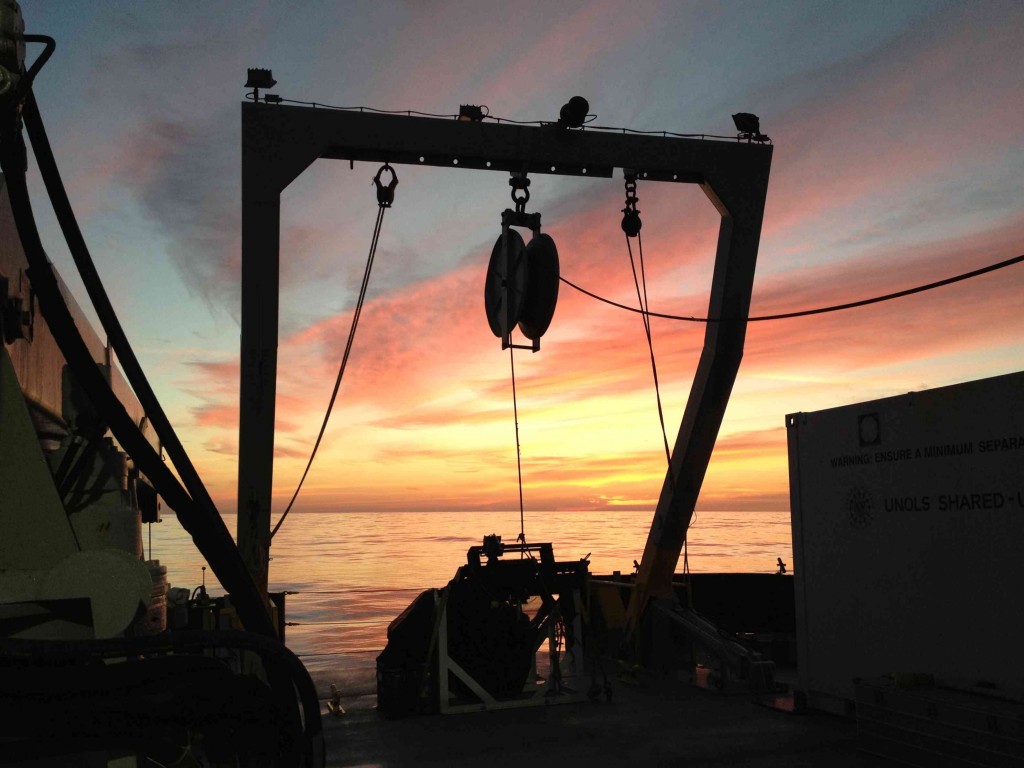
353 572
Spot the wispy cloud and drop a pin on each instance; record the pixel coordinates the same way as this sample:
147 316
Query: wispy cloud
895 163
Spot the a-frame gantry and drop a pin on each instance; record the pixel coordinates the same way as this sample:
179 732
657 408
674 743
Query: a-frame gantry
279 142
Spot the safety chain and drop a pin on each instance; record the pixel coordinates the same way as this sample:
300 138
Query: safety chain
520 183
631 216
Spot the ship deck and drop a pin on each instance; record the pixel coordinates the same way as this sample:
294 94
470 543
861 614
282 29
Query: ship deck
654 721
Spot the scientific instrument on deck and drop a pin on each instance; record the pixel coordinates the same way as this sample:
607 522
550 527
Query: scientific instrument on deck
474 644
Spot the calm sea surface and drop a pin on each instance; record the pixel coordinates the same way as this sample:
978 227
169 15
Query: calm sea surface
353 572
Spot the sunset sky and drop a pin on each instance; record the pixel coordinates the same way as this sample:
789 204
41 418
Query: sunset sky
899 159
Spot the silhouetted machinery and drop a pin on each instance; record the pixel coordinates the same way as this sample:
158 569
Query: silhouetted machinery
474 644
93 671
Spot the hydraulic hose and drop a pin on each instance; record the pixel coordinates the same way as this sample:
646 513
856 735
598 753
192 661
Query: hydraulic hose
208 531
105 310
294 677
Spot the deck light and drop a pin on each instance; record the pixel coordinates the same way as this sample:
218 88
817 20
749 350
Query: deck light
749 127
574 112
746 122
260 78
471 113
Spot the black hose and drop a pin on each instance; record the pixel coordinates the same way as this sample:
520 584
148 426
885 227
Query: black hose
209 533
51 46
25 84
105 311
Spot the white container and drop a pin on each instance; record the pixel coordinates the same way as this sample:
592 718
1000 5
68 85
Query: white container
908 538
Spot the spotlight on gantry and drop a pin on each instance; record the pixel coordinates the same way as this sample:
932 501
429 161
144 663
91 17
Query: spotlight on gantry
574 112
471 113
746 122
749 127
260 78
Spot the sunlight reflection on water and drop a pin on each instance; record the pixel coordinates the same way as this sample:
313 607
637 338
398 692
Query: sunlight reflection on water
355 571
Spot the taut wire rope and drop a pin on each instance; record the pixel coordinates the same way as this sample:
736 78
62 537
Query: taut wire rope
382 206
641 295
519 460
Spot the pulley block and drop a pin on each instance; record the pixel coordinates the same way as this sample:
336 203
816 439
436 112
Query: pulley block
522 280
521 288
541 295
506 282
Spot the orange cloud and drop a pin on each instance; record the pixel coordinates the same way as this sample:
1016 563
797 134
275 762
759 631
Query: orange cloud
427 394
424 419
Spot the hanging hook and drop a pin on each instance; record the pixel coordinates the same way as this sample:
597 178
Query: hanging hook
520 183
386 194
631 216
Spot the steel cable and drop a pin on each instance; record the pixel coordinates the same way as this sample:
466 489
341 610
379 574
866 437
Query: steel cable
803 312
344 362
519 464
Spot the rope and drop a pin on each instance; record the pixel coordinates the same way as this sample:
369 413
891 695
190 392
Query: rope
641 285
344 360
642 299
641 295
805 312
519 461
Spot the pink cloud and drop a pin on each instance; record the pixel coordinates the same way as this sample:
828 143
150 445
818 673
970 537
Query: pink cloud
424 358
927 111
421 343
561 49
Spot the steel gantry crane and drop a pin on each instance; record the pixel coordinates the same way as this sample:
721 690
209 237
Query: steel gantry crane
280 141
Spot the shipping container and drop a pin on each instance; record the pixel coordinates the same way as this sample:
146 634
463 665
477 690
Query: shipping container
908 539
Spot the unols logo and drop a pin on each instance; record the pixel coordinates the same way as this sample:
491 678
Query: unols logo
860 507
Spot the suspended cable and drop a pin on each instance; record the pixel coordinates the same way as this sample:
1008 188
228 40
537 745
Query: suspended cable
631 226
642 299
341 368
385 196
804 312
657 386
519 464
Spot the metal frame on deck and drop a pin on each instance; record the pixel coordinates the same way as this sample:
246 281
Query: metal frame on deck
279 142
538 690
